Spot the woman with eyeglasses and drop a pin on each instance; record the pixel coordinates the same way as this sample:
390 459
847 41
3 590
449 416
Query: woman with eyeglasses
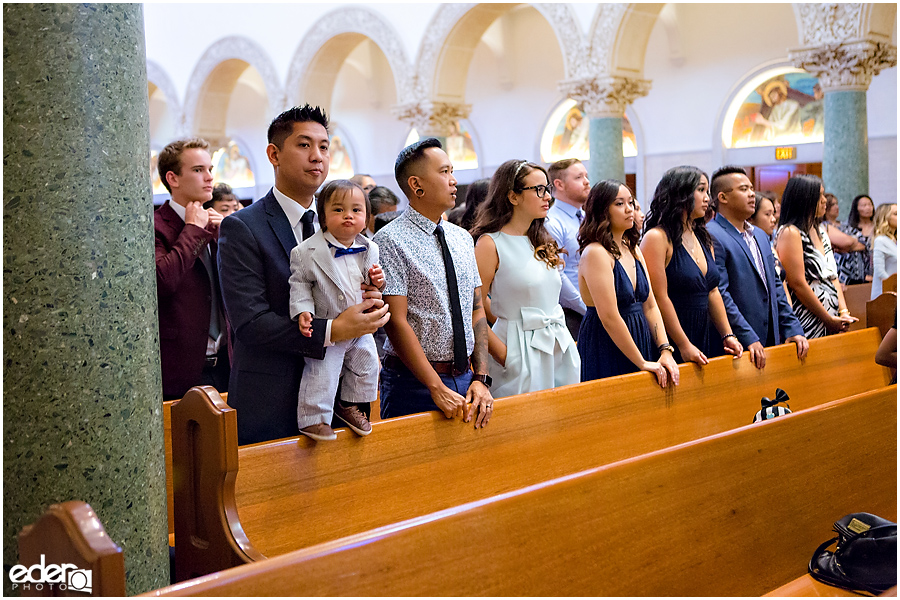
519 263
622 331
682 267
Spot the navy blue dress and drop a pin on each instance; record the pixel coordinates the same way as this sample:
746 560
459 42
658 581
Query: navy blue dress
689 292
600 357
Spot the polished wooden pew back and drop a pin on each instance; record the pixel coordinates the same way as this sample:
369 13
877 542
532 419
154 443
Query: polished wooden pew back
736 513
293 493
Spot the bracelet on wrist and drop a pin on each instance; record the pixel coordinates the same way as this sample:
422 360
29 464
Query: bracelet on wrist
666 346
844 311
728 335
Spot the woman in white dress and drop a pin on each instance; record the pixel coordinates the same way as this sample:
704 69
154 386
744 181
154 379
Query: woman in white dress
531 349
885 255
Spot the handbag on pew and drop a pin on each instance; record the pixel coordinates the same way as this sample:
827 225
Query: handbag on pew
770 408
865 559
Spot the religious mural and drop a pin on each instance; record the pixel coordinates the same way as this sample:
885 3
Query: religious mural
566 135
232 167
341 161
787 108
460 146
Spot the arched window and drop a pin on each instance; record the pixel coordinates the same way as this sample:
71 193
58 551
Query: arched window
341 155
780 106
566 134
231 166
155 181
460 146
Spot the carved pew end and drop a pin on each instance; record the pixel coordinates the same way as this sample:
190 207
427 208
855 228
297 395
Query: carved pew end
70 534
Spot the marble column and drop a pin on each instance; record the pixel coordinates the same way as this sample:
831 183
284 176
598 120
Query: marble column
605 142
82 393
604 100
845 160
845 70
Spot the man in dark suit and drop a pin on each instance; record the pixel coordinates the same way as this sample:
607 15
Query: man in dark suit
191 319
254 265
754 298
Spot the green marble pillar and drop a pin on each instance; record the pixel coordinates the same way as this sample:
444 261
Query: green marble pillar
81 380
607 158
845 164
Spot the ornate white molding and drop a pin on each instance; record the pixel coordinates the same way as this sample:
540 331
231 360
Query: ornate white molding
565 25
605 96
432 118
829 22
228 48
158 77
425 70
352 20
599 55
845 66
562 20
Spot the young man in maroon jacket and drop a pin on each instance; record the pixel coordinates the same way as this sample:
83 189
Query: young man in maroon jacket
191 315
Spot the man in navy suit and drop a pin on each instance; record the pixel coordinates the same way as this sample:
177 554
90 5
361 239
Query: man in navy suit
754 297
191 319
254 265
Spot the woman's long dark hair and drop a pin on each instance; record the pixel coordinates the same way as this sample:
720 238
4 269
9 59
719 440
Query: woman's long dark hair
853 218
496 211
799 201
673 198
596 226
475 195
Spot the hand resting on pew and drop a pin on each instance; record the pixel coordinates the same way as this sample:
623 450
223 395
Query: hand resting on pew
758 352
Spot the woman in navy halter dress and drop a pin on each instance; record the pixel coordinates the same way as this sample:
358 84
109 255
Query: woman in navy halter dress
689 289
682 268
617 338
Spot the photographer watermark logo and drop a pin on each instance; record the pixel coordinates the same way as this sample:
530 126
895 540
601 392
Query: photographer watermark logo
44 577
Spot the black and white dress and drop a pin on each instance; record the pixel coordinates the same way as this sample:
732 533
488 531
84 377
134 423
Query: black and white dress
853 267
821 275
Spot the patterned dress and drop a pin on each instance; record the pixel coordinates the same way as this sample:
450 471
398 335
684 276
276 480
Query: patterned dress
821 275
855 266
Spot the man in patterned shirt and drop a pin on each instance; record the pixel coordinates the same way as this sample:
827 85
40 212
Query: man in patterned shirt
426 366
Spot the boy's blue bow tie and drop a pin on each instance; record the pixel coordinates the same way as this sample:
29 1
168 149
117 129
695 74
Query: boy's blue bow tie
339 252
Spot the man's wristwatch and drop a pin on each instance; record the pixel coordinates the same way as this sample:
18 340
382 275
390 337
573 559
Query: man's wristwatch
485 379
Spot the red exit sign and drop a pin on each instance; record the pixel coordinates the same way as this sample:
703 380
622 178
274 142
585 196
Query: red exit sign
785 153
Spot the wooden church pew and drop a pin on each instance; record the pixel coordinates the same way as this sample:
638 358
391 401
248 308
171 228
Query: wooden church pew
880 312
735 513
70 533
856 296
235 506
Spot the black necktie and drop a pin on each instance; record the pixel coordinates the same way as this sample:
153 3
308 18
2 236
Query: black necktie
460 356
307 220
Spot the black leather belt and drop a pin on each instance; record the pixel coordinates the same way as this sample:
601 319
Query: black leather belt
440 367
